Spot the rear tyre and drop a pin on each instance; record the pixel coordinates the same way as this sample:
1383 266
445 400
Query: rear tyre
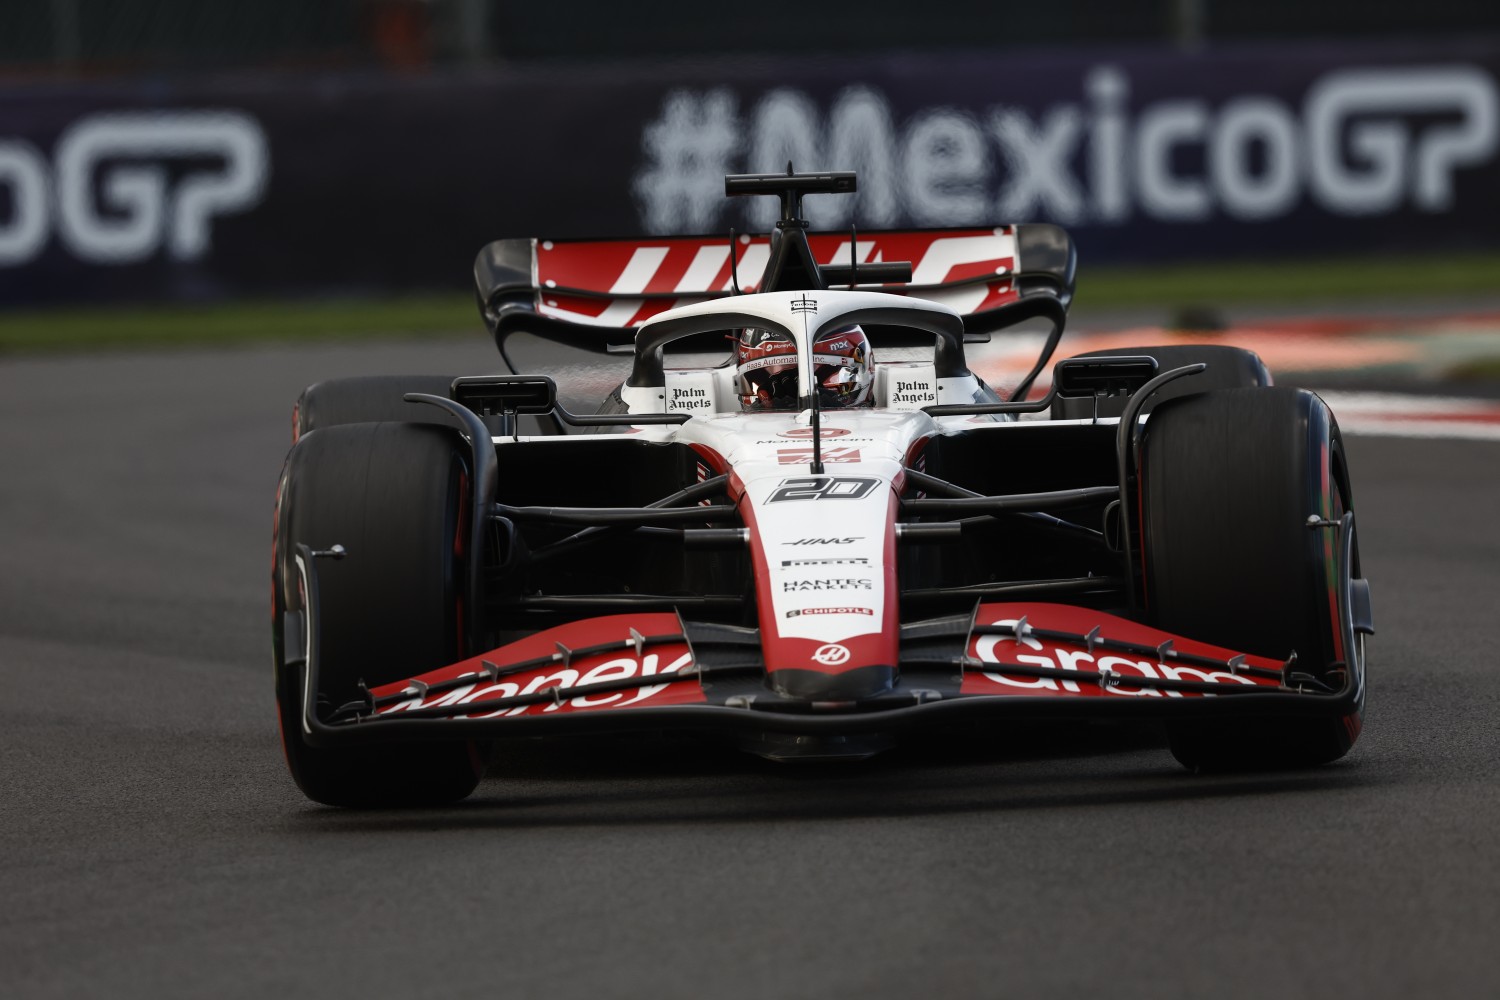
1228 368
394 496
1228 481
369 399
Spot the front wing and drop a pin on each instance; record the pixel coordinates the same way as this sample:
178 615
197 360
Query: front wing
657 671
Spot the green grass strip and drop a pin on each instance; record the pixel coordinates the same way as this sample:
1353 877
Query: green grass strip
1295 282
236 322
1167 287
1477 370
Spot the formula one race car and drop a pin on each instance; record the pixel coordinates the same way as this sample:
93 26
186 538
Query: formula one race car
793 546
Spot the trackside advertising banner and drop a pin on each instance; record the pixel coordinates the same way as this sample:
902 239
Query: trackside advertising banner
199 189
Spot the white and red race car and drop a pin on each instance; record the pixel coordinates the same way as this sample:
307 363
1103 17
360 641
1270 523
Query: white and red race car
1163 536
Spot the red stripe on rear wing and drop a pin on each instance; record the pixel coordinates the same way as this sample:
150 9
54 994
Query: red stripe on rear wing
622 283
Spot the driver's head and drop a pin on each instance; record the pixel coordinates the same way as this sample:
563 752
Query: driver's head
766 368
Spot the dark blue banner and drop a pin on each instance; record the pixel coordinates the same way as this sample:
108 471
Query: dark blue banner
202 189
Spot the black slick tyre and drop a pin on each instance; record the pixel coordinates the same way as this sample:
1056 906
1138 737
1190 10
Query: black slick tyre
369 399
394 495
1228 482
1228 368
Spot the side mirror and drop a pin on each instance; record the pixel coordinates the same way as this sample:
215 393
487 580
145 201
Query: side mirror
1099 386
488 395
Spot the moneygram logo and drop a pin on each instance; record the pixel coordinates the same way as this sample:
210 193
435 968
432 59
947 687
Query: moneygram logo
620 668
124 186
1364 141
1054 658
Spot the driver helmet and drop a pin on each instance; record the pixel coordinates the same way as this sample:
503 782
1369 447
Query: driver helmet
765 364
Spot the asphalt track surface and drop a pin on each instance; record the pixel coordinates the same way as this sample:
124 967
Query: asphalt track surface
152 844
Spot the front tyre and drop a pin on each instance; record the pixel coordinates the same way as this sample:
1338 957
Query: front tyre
394 496
1228 481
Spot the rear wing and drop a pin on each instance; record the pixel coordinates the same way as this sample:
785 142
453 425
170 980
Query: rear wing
981 273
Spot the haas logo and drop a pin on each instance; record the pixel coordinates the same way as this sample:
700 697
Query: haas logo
832 655
126 185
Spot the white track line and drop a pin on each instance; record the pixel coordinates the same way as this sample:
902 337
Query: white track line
1391 414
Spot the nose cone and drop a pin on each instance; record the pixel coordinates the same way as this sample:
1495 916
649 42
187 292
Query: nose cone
857 684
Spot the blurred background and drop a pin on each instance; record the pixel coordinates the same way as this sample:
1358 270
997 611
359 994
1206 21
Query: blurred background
287 168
